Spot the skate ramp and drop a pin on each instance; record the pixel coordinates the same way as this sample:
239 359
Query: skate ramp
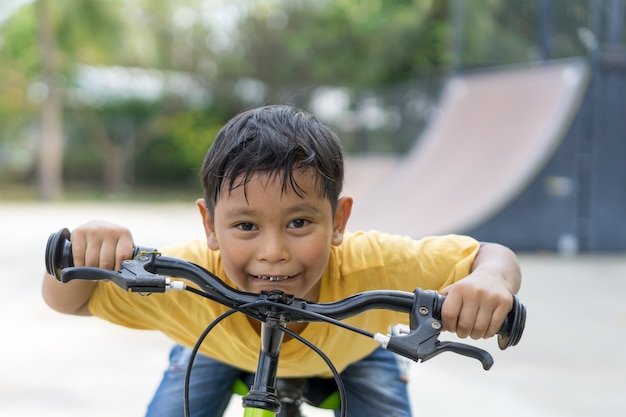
492 134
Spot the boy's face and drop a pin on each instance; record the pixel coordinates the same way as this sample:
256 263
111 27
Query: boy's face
272 238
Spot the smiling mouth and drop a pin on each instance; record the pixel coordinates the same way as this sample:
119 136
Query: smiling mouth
273 278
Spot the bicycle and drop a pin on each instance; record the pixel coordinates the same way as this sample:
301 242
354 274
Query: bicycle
268 396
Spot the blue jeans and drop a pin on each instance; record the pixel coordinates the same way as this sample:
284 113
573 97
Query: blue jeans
375 386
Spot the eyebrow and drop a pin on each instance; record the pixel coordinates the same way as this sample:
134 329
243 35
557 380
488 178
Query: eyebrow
298 208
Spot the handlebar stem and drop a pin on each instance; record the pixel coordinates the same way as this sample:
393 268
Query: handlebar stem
262 393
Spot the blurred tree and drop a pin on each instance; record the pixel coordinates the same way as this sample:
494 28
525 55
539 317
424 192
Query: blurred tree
51 122
17 106
153 82
290 44
173 158
49 46
42 42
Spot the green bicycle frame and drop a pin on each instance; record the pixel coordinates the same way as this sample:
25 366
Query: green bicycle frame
258 412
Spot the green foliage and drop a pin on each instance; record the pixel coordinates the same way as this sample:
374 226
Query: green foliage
19 42
89 31
176 156
82 161
357 44
394 40
16 108
18 65
192 134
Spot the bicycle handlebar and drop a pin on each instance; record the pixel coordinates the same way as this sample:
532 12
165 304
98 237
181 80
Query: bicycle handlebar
149 272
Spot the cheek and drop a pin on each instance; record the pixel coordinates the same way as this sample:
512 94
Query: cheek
315 254
233 259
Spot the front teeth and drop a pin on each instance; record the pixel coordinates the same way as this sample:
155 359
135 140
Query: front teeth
273 278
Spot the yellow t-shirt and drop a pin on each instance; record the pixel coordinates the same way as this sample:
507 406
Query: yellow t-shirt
364 261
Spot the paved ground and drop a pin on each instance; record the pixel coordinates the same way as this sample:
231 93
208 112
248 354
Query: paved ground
570 362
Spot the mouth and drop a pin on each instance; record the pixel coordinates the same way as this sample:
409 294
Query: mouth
273 278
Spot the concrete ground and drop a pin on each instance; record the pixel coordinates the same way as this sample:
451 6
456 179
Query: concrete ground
569 363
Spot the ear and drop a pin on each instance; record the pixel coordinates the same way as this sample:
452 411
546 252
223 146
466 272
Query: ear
340 220
209 226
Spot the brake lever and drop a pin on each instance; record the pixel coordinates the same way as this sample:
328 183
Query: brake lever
463 349
422 342
133 276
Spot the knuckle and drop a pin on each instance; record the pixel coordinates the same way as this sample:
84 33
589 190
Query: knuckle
106 264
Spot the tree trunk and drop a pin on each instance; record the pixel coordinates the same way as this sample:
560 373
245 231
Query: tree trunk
50 158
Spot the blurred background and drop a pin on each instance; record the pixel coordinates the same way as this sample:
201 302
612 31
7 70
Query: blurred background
120 99
501 119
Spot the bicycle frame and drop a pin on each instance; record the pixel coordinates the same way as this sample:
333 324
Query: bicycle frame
149 272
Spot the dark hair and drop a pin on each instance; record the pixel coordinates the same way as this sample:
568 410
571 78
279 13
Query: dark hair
277 140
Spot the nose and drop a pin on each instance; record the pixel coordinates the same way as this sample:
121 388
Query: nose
273 248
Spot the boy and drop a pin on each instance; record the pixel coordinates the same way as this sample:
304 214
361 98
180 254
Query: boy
274 218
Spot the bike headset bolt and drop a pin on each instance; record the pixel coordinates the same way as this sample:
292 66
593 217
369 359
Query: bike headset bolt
436 325
423 311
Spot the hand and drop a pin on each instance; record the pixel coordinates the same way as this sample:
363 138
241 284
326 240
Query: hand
101 244
477 305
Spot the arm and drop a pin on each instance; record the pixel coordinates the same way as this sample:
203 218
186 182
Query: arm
477 305
99 244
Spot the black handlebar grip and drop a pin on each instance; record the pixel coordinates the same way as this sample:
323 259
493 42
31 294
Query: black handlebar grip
59 253
512 328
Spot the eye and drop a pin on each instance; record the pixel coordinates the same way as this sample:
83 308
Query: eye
246 227
298 223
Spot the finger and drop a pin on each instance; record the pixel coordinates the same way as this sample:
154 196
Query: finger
482 324
94 251
124 249
497 319
79 247
106 256
450 311
467 319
